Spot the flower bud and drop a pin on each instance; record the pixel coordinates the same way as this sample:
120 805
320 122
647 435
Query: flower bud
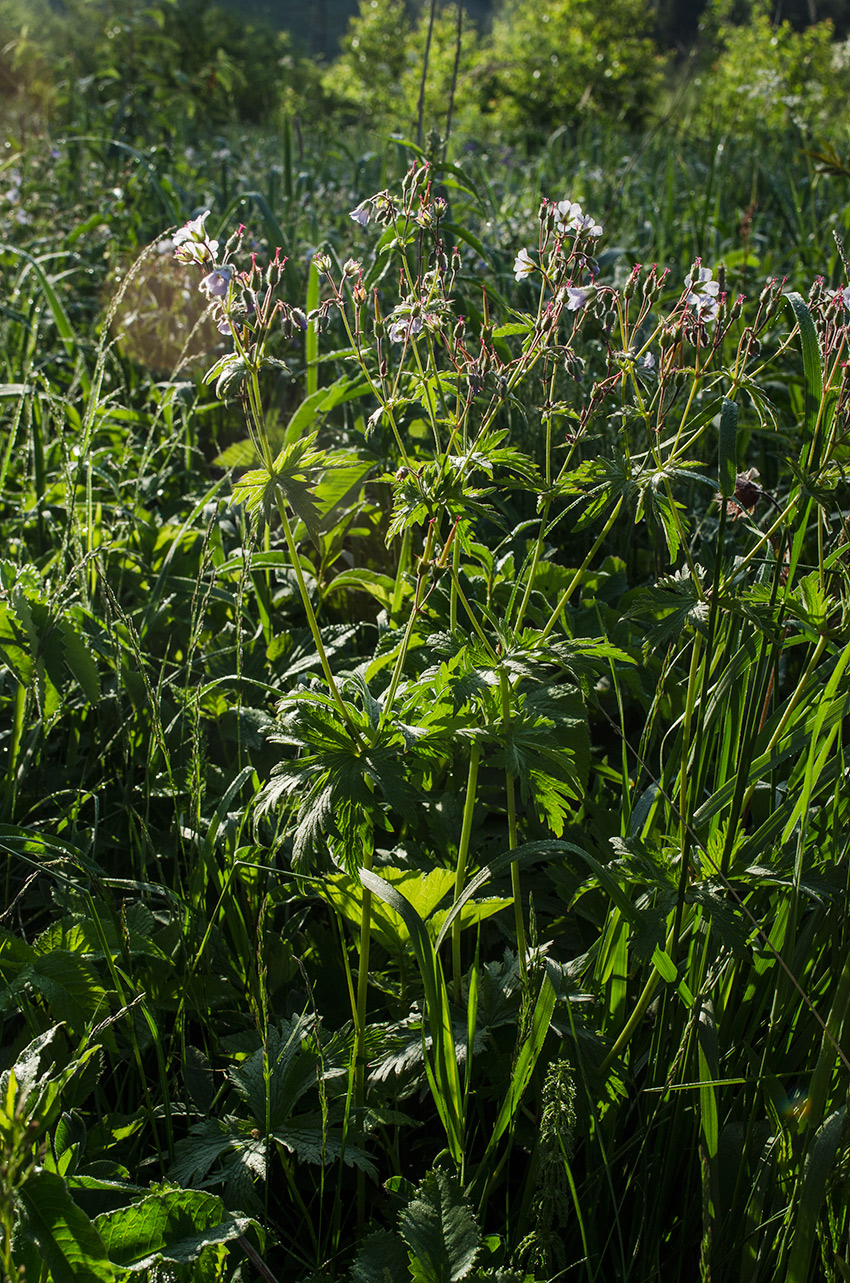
631 284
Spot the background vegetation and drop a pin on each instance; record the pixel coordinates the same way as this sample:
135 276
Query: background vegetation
424 804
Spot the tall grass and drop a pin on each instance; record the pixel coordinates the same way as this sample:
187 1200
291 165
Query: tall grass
424 799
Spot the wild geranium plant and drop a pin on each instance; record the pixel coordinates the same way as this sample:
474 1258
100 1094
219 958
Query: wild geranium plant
522 418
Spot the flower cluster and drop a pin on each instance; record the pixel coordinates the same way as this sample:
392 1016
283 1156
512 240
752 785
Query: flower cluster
562 217
702 292
243 303
569 217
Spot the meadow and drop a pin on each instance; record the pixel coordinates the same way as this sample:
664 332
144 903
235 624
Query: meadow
424 675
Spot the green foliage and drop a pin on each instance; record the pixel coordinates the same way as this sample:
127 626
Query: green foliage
423 793
543 69
766 77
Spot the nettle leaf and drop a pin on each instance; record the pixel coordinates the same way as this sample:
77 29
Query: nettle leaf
206 1143
42 643
381 1258
69 985
173 1225
440 1229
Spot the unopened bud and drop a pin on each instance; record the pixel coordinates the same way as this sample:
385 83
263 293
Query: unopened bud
631 284
546 215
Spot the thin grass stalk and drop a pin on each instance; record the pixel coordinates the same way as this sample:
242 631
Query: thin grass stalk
684 793
455 69
513 841
425 73
360 1026
462 853
579 575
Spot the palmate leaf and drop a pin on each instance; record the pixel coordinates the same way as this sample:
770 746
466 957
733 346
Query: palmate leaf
595 484
668 608
436 492
276 1077
294 475
341 790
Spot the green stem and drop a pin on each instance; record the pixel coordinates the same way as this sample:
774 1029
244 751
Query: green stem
579 575
510 790
360 1026
311 620
462 852
453 589
482 636
684 794
405 641
637 1014
538 548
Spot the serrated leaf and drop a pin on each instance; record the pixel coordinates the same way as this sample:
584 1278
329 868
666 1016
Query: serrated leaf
440 1230
170 1225
381 1258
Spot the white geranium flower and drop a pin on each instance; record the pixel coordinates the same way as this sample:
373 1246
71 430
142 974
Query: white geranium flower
841 297
404 328
191 241
524 264
570 217
702 292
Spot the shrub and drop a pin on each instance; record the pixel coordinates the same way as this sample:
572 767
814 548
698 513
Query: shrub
768 77
570 60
